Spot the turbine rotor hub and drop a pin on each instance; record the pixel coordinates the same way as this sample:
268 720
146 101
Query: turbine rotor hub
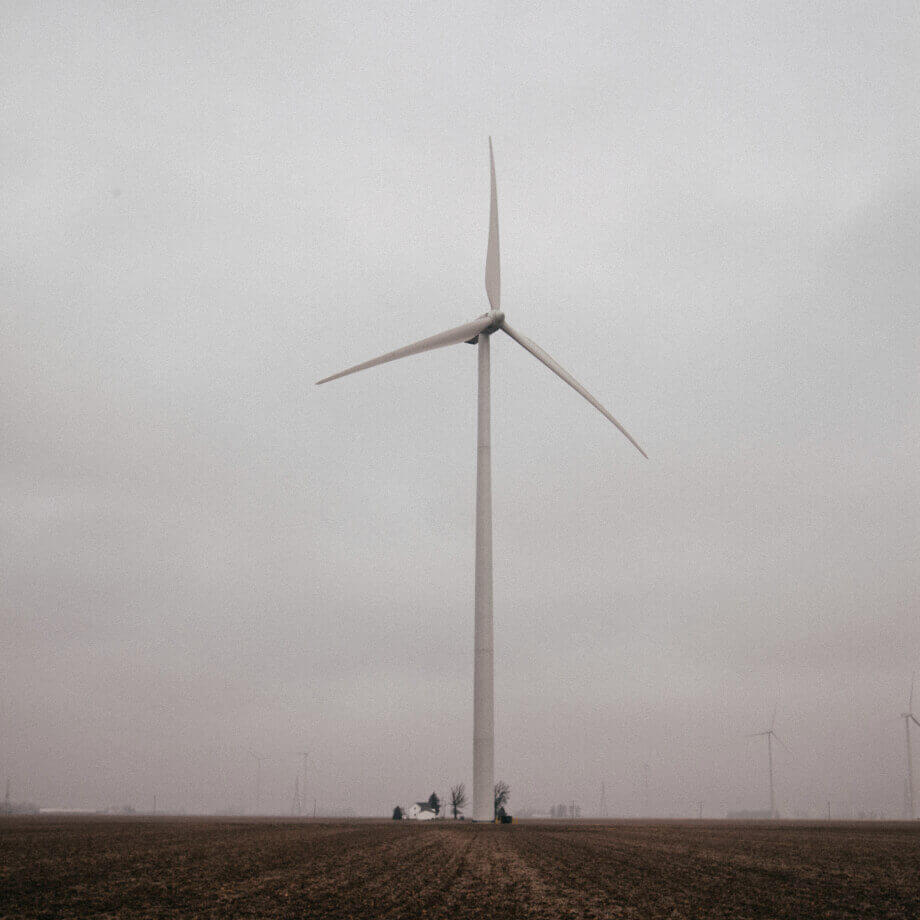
497 318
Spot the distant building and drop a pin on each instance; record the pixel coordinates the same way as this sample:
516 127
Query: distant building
54 810
420 811
752 815
568 812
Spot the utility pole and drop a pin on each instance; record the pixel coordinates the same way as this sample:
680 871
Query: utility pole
700 816
603 805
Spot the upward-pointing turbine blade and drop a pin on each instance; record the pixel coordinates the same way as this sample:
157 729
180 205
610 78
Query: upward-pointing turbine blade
541 355
493 266
451 337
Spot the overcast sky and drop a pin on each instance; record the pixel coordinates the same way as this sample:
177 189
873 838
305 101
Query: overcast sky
709 215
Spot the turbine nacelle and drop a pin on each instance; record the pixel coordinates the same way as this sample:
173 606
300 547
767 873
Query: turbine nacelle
496 317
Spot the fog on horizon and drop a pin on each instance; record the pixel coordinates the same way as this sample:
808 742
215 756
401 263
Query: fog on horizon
709 215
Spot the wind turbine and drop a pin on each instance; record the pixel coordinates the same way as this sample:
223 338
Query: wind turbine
305 755
258 759
909 717
479 331
769 734
296 802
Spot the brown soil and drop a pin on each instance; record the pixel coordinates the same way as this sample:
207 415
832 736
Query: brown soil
236 868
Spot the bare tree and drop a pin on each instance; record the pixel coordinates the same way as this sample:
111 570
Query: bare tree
457 799
502 794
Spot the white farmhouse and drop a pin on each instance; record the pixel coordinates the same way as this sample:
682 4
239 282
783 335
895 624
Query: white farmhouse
420 811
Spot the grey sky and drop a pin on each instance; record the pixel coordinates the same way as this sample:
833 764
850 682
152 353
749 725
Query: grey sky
709 214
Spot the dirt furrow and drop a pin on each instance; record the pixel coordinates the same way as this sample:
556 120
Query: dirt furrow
640 873
172 869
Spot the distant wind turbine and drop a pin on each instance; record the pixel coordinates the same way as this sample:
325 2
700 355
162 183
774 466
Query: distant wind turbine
305 755
909 717
769 734
297 802
479 331
258 759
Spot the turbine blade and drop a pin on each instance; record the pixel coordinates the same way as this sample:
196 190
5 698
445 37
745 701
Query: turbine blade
541 355
493 266
910 705
442 339
773 720
780 740
914 718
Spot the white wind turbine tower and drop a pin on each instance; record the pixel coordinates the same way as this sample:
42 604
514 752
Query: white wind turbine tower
479 331
769 734
909 717
258 759
305 755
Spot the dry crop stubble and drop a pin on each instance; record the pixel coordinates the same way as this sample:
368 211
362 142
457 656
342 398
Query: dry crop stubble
223 868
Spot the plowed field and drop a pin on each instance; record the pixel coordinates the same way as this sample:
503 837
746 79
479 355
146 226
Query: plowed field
53 868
